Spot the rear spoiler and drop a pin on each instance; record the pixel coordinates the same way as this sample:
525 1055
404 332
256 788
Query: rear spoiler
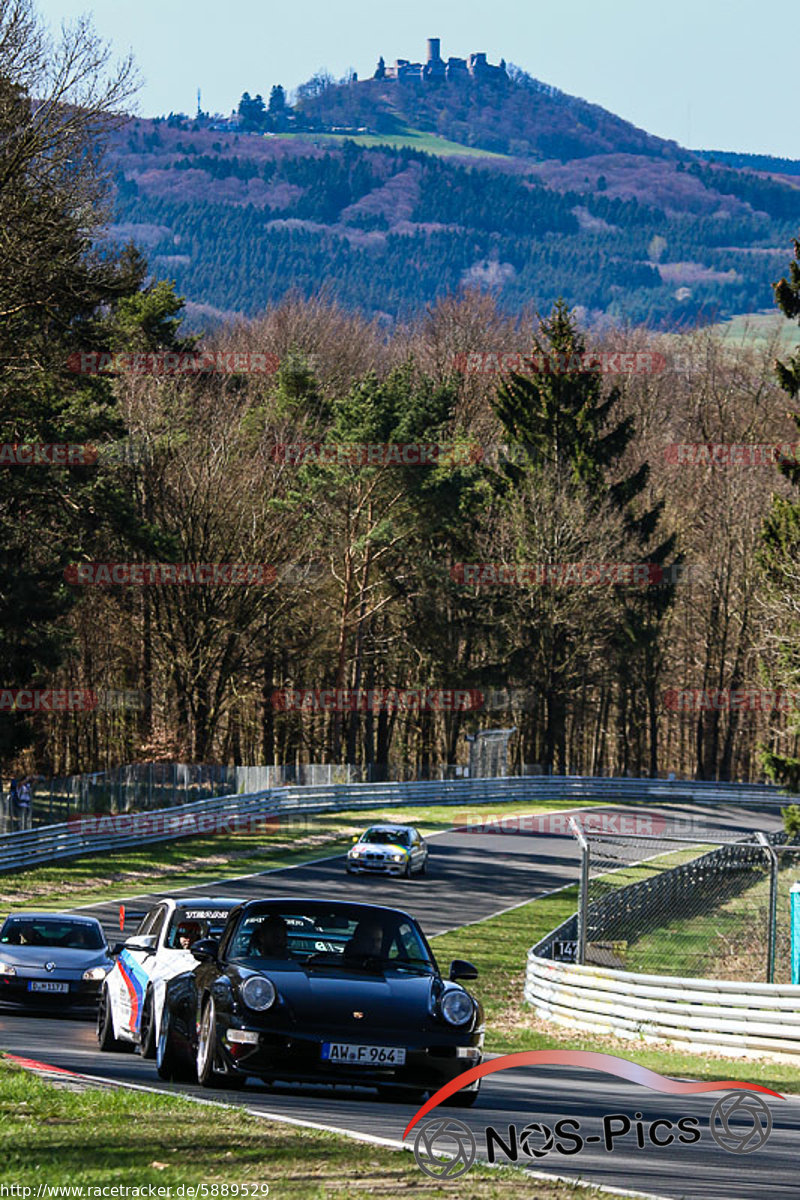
129 915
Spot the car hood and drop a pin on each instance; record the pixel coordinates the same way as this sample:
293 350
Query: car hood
332 996
381 847
33 958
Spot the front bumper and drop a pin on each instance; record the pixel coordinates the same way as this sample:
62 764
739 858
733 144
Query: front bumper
82 994
361 866
297 1058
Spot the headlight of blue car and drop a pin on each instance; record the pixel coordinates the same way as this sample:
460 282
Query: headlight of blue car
258 993
457 1007
96 973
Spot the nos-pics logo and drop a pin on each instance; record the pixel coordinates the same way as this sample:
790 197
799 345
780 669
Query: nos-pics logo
740 1122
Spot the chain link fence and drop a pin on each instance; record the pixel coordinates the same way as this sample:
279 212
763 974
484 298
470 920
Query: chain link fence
140 787
691 906
488 753
14 817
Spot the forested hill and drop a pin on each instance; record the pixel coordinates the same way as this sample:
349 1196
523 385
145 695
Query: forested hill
511 114
617 222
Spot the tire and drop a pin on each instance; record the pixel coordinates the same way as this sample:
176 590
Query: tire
424 866
170 1064
105 1026
407 872
147 1027
463 1099
207 1076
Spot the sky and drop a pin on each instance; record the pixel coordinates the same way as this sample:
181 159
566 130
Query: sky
711 74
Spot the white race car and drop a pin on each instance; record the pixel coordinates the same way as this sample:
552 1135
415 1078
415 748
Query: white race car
132 996
388 850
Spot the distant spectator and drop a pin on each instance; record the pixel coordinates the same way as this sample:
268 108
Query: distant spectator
24 805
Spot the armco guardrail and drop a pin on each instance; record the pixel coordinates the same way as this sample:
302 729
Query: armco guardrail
742 1019
51 842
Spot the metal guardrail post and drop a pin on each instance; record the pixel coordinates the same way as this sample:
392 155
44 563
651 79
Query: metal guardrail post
773 905
583 894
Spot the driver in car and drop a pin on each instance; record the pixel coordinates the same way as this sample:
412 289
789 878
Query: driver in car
270 939
187 934
367 940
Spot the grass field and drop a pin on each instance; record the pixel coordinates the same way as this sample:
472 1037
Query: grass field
761 327
407 139
165 866
728 943
49 1135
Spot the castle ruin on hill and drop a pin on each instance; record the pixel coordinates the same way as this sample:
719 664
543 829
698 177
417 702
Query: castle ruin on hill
437 69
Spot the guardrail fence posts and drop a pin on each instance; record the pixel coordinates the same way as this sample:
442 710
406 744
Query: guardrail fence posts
583 896
773 906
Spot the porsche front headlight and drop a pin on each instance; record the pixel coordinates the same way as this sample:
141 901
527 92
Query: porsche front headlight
7 969
457 1007
258 992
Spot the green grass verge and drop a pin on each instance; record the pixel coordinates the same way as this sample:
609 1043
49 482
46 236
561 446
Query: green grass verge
411 139
499 948
728 942
96 1138
187 862
632 873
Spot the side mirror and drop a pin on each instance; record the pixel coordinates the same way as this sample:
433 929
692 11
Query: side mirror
461 969
145 943
205 950
355 837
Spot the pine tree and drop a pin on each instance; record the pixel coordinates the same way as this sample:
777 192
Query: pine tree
564 426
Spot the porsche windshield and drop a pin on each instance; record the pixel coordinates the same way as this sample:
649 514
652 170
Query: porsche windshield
341 937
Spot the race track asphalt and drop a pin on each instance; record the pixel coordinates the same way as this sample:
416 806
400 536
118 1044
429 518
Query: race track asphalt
470 877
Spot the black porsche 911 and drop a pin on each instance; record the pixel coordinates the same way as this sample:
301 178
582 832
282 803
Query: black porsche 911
321 991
